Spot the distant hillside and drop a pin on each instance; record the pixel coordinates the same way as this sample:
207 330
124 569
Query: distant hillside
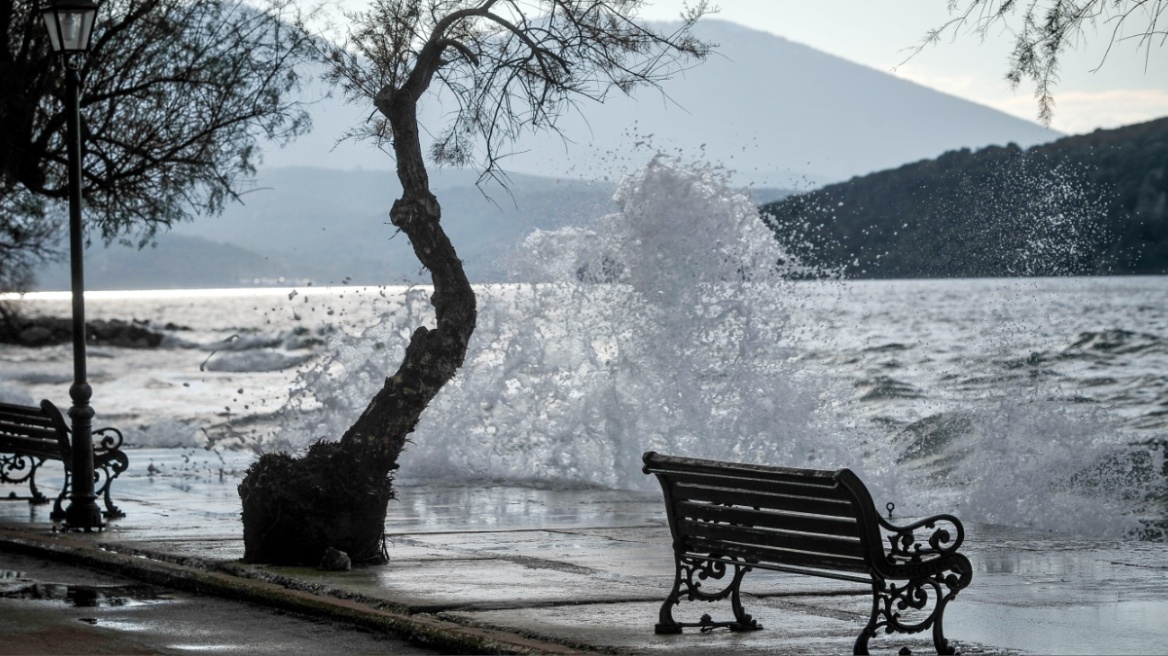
176 261
332 227
776 112
1089 204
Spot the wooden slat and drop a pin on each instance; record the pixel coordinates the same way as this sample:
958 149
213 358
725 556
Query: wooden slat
27 430
30 446
39 432
838 526
16 408
803 520
32 420
804 487
8 409
791 503
699 546
825 545
656 462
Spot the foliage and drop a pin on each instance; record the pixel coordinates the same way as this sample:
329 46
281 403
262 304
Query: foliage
26 236
503 66
1095 203
1043 31
176 98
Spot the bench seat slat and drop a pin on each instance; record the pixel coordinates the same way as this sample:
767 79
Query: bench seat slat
838 526
763 555
791 503
810 487
784 540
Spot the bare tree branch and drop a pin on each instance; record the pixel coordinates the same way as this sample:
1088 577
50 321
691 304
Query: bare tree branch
176 99
1044 30
523 64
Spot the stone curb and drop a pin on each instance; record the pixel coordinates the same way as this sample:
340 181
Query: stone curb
442 635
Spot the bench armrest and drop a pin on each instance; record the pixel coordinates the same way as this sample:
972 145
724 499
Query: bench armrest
942 535
110 439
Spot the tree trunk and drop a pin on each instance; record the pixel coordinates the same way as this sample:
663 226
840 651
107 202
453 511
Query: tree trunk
336 494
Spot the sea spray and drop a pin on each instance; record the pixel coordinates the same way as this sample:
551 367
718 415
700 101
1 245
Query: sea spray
1024 444
1021 215
1025 461
658 328
674 325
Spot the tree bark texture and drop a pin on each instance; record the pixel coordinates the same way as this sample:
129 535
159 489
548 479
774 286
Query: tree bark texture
336 494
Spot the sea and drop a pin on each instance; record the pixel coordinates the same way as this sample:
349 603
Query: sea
1037 403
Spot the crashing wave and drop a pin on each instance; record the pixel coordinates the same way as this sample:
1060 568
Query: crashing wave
661 327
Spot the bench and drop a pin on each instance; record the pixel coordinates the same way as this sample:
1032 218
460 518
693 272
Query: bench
31 435
817 522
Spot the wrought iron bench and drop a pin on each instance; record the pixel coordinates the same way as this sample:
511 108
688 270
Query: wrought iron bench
31 435
727 516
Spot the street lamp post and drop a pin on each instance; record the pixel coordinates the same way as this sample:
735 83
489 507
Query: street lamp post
70 24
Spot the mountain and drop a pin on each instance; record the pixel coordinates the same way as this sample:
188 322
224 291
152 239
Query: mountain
175 261
1094 203
329 227
779 113
782 115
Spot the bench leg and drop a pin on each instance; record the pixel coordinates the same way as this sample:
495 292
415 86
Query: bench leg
58 514
891 603
688 576
109 463
16 468
37 497
103 476
103 490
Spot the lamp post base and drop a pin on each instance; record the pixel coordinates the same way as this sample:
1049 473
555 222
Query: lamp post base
83 516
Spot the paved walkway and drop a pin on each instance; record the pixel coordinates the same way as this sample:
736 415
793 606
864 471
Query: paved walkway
48 607
523 570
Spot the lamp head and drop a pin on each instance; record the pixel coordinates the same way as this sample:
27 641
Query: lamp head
70 25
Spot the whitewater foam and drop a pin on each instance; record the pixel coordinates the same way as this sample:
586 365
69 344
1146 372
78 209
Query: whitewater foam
670 326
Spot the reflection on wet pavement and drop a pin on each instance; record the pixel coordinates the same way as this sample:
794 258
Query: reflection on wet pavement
51 608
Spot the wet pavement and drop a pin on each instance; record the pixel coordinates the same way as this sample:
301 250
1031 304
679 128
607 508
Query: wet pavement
47 607
519 569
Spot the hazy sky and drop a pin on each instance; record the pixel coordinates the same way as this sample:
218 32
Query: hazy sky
1131 86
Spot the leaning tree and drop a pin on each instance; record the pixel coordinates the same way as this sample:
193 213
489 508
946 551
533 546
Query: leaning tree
1044 30
177 98
503 67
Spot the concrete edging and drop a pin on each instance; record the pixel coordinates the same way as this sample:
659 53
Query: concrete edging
427 632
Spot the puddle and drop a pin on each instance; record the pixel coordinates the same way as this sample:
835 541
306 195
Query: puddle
90 596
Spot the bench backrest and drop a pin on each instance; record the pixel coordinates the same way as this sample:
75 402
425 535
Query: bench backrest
33 430
805 520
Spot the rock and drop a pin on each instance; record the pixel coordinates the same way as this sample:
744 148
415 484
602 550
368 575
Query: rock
335 560
48 331
35 336
116 332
